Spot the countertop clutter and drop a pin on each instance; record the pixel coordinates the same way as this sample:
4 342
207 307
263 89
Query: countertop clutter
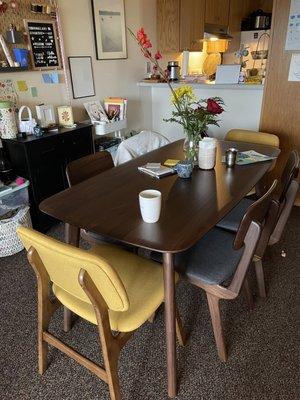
203 85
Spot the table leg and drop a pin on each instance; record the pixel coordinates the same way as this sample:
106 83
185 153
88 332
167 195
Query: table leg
72 236
170 313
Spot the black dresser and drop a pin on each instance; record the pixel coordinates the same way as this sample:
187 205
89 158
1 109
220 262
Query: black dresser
43 160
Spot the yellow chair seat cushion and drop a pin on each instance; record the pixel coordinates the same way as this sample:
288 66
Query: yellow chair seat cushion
143 282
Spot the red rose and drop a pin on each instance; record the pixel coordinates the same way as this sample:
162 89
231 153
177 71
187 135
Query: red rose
214 107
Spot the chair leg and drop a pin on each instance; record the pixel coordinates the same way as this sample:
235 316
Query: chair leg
111 367
67 319
260 278
46 307
181 336
214 308
152 318
247 294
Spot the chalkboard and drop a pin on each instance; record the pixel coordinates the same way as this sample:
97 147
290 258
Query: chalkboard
43 44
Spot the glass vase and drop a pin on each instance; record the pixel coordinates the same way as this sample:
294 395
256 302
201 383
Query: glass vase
191 149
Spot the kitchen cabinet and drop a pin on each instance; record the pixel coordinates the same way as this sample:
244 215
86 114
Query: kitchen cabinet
217 12
168 25
43 160
192 13
180 25
238 10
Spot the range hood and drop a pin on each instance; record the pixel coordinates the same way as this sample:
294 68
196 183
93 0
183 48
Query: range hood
214 32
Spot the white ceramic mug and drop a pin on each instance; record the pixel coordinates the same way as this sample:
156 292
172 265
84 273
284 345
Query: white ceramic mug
150 205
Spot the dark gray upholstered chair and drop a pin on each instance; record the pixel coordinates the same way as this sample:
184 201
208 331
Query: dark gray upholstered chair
219 262
286 196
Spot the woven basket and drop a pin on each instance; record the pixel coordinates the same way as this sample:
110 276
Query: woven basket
9 241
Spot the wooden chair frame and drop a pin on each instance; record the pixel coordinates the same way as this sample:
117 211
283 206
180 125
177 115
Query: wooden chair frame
254 225
215 293
111 344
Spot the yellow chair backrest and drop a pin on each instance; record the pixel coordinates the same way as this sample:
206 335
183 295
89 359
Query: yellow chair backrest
243 135
63 263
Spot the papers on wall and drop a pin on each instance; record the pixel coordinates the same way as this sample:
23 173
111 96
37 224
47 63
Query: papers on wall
22 86
293 31
294 72
251 157
51 78
34 91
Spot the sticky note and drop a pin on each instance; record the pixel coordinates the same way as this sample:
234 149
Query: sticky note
22 86
34 92
46 78
51 78
54 77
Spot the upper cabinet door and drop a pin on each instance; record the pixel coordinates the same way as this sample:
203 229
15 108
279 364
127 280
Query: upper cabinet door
217 12
192 14
168 20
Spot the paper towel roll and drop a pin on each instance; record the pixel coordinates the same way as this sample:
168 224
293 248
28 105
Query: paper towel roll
185 64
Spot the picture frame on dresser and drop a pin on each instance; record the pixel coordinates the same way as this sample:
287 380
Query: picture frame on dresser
109 29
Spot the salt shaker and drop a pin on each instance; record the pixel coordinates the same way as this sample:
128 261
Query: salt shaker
231 155
207 153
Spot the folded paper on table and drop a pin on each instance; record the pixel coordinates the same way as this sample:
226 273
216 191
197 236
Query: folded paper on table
251 156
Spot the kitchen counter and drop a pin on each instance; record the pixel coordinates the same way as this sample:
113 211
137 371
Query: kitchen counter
203 85
242 106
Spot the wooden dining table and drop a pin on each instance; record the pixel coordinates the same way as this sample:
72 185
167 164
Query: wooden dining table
108 205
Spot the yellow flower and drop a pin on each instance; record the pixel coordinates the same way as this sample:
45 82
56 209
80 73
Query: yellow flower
183 92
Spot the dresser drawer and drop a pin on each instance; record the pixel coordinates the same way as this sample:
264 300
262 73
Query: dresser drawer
45 151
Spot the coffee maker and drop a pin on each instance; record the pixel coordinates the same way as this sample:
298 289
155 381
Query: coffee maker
7 174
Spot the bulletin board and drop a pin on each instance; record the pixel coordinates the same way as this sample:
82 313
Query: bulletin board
17 18
43 44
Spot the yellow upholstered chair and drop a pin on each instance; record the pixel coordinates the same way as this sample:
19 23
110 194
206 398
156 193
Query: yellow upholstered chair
243 135
108 286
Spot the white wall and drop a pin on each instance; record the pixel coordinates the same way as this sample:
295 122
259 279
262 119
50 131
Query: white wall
242 108
112 77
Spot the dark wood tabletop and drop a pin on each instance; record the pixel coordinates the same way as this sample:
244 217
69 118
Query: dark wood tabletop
108 203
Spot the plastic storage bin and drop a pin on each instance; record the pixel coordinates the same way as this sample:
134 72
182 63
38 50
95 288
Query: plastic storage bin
16 197
15 200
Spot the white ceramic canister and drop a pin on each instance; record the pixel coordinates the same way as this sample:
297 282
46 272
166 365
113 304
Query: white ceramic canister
8 124
207 153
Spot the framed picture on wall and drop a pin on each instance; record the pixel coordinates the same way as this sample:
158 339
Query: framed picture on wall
110 29
82 78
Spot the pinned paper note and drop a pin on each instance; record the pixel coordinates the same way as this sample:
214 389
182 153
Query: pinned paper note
22 86
33 91
294 72
51 78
